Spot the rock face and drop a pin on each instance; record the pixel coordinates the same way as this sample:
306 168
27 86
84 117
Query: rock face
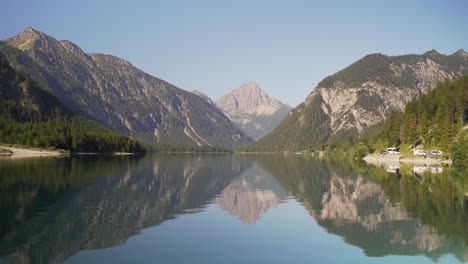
253 110
361 96
115 93
204 97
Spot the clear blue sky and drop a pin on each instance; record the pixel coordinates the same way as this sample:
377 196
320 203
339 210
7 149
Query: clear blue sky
214 46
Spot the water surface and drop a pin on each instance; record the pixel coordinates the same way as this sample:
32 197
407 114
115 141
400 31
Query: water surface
228 209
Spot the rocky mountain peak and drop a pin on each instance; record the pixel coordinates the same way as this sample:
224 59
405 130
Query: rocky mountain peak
432 53
461 53
249 98
252 109
251 91
31 33
29 38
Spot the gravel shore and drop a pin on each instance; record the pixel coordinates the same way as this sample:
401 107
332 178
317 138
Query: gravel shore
28 153
394 160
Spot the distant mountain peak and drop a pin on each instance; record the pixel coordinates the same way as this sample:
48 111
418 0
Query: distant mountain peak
248 98
461 53
28 38
249 85
31 33
253 89
432 52
30 30
252 109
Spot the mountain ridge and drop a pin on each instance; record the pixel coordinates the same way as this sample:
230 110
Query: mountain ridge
359 97
113 92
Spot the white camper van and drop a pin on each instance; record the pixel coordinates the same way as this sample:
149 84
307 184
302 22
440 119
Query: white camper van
393 151
419 152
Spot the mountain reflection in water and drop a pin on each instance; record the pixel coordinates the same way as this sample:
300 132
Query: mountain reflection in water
55 208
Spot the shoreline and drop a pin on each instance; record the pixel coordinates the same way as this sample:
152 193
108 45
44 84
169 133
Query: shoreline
19 152
394 160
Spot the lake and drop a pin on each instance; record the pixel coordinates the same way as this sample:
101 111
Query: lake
228 209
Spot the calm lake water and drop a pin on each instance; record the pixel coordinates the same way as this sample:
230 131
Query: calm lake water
228 209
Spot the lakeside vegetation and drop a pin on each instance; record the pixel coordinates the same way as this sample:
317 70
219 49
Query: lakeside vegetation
435 120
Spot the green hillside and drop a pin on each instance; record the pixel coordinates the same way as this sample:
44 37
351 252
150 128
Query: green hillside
436 120
433 119
304 127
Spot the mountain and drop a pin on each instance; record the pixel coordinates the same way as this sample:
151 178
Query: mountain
32 116
359 97
253 110
204 97
115 93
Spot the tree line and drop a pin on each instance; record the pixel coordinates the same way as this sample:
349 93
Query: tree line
433 119
31 116
436 120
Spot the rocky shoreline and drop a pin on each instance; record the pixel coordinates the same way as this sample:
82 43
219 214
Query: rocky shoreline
16 152
393 160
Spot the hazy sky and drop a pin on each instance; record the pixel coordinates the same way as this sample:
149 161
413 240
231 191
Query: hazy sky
287 47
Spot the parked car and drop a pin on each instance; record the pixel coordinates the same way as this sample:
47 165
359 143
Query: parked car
383 152
436 152
419 152
393 151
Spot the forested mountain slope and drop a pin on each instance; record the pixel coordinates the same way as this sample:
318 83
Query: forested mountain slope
350 102
32 116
